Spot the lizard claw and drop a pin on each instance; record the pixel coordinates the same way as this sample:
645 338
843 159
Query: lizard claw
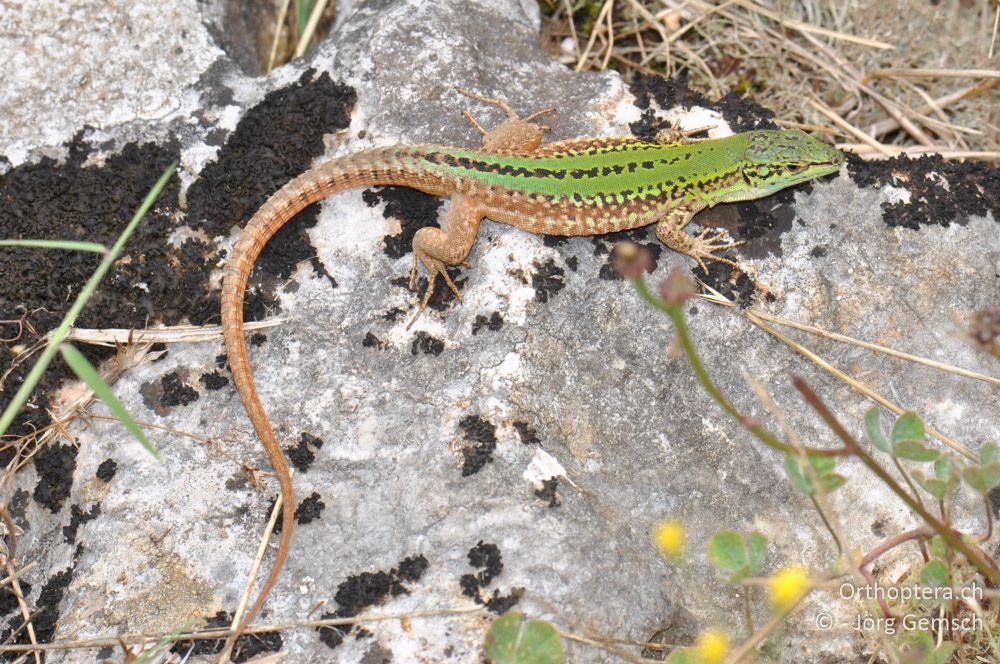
706 244
433 272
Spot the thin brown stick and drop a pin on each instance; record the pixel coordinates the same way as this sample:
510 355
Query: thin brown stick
203 634
805 28
931 73
25 613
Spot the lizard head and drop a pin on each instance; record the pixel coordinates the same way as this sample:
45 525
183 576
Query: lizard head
777 159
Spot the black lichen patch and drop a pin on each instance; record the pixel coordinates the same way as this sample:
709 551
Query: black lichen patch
51 200
250 646
730 281
667 93
393 314
758 220
54 465
604 245
309 509
493 323
44 619
547 279
940 191
302 456
106 471
483 436
425 343
77 518
414 210
213 381
487 557
740 113
275 140
176 392
8 598
369 589
246 648
548 492
527 434
371 341
18 507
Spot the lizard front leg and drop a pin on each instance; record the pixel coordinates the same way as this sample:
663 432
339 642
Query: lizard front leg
669 229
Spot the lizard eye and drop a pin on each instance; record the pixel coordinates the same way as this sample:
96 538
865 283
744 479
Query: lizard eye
795 168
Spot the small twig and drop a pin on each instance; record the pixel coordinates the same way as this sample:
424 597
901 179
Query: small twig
853 383
205 634
585 54
805 28
254 570
878 348
279 25
25 613
885 126
846 126
932 73
21 572
307 33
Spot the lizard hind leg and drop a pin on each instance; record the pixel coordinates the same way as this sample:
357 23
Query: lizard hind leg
437 248
514 134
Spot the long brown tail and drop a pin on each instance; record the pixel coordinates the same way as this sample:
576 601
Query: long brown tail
380 166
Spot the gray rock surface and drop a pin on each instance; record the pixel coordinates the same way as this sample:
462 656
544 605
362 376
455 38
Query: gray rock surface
587 368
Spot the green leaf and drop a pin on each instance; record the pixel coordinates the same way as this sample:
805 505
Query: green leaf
943 653
89 375
938 547
822 464
726 551
988 454
982 478
798 479
832 481
943 467
510 640
934 574
907 427
755 552
937 488
914 450
873 427
70 245
682 656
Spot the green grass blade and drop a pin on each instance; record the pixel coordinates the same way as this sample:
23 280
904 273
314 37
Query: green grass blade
302 10
21 396
166 641
71 245
88 374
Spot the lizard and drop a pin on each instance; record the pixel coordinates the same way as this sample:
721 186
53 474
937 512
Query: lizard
580 186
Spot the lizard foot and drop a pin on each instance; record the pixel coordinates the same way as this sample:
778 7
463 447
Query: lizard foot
704 247
434 269
515 133
678 136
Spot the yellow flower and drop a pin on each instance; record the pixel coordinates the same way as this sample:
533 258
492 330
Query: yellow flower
788 585
712 646
668 536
